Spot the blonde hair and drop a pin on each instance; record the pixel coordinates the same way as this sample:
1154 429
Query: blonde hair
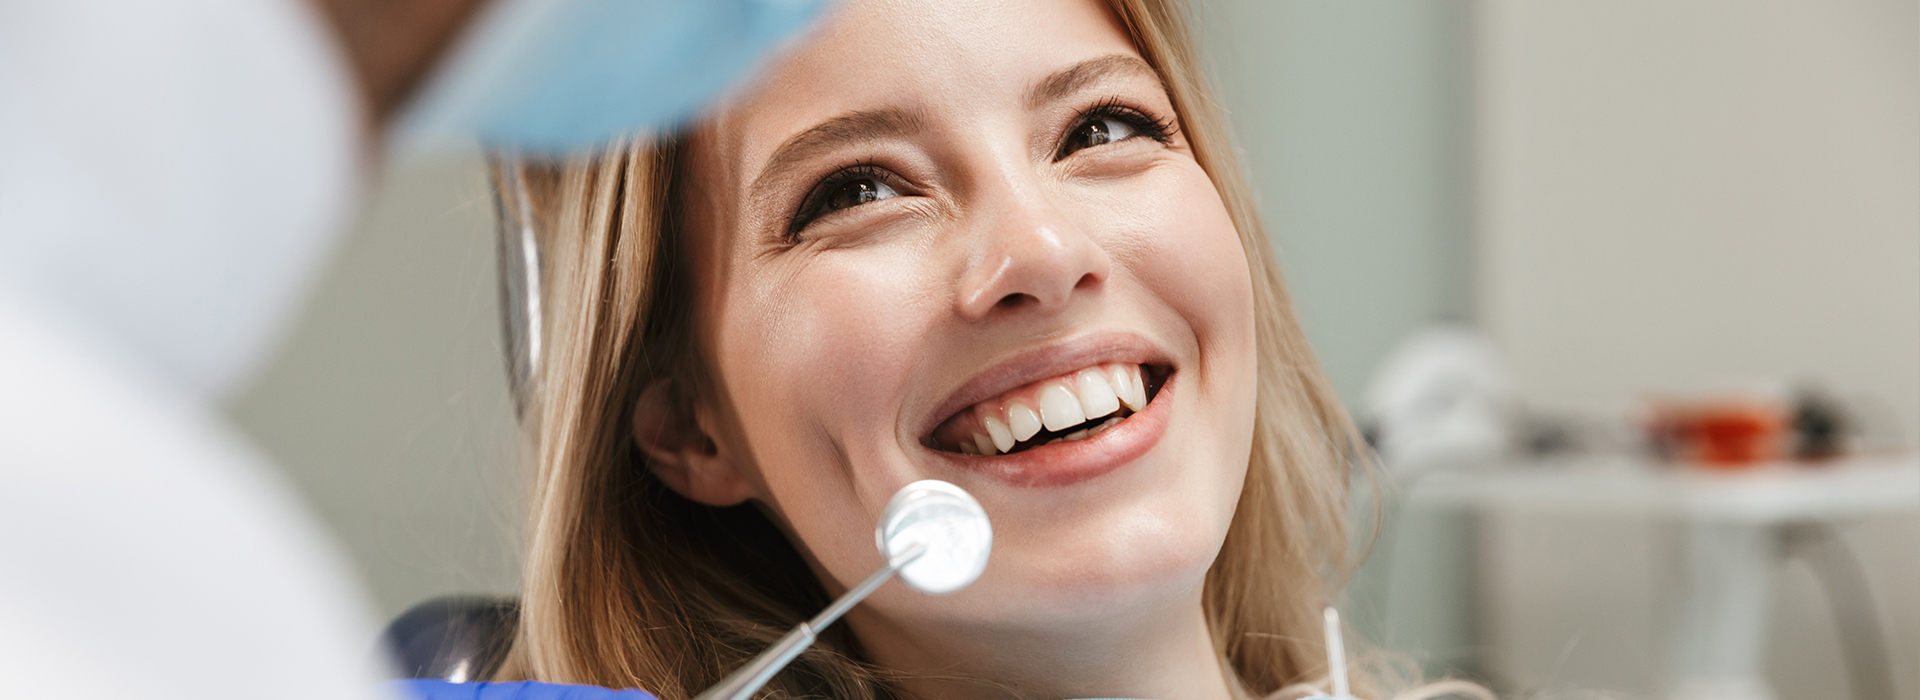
628 585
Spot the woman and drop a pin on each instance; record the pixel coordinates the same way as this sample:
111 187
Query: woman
1001 243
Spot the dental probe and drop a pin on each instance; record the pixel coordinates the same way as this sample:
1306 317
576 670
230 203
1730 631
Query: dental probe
1336 655
935 537
743 683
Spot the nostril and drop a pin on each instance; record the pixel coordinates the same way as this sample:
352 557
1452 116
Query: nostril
1016 300
1086 281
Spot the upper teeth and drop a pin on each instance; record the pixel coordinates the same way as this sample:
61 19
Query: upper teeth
1059 409
1062 402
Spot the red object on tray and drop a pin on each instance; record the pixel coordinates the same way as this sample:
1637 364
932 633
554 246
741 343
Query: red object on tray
1724 433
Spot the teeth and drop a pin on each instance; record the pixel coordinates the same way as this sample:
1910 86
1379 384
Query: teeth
1024 422
1059 408
1079 400
1002 437
981 444
1096 394
1139 386
1121 377
1128 385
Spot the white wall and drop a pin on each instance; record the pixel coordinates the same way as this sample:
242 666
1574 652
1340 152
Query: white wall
1354 120
1678 196
387 403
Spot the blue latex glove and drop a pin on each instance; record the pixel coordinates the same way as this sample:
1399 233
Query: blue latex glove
425 689
560 75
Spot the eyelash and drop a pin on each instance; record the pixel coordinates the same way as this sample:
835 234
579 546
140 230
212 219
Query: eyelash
817 198
1160 130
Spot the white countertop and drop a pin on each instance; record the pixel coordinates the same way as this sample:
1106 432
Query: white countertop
1843 489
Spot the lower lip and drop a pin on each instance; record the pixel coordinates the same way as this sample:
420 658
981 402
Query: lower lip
1070 462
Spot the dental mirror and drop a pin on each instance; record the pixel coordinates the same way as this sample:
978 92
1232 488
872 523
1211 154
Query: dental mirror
949 523
934 536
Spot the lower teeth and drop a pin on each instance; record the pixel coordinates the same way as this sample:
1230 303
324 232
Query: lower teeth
1086 433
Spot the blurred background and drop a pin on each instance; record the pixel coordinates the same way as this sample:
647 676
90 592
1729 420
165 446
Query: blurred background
1600 201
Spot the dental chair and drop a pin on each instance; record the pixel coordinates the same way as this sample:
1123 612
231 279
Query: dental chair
456 638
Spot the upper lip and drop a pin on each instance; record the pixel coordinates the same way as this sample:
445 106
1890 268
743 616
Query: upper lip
1043 362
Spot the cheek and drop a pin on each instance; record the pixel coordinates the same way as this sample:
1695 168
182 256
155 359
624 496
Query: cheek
835 342
816 358
830 337
1194 263
1192 259
1186 255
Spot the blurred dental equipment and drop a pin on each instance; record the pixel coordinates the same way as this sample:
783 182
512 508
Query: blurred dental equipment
935 538
1442 399
1742 480
172 175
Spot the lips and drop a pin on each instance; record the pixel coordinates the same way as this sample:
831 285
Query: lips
1072 406
1071 410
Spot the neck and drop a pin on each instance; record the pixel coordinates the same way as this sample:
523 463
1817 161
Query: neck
1161 655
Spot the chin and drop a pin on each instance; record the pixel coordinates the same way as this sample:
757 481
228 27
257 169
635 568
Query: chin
1122 523
1140 554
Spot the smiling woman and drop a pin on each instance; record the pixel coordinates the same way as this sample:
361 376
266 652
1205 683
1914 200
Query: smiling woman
999 243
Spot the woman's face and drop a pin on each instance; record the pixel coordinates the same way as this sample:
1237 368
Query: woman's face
943 229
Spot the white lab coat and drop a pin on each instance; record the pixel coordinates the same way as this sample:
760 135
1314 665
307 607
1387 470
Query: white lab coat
171 176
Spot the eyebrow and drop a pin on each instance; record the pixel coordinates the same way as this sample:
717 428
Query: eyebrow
852 127
1080 75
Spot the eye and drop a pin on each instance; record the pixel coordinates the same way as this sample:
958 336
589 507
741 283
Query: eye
1098 131
1111 122
844 189
854 193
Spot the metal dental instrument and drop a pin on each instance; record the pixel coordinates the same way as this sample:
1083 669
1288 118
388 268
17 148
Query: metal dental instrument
935 537
742 683
1336 658
520 267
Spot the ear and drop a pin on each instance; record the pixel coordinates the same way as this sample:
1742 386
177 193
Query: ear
681 452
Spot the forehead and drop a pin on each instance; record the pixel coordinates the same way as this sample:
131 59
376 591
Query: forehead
937 57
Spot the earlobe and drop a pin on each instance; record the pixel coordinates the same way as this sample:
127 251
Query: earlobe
681 453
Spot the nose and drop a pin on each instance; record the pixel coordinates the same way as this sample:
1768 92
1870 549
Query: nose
1029 254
